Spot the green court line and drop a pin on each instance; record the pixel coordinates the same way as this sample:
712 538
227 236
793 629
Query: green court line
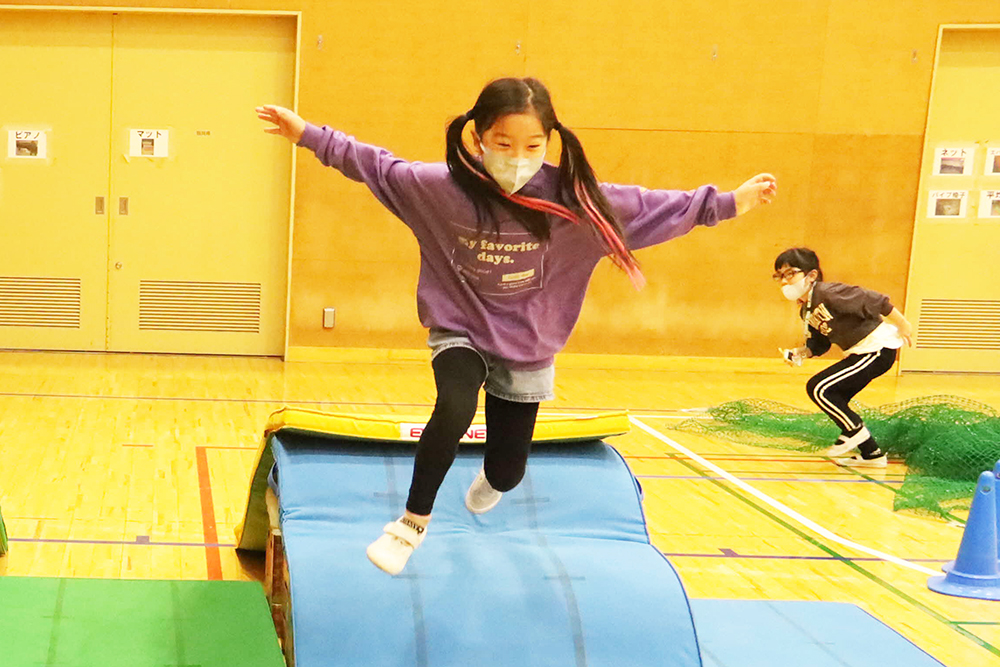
976 622
56 618
832 552
177 618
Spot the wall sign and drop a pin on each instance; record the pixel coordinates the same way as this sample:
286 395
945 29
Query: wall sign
947 203
27 144
148 143
989 204
992 162
953 161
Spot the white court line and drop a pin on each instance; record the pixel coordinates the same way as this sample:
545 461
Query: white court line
781 507
578 415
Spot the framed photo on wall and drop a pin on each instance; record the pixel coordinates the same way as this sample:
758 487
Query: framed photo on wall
947 203
989 204
27 144
149 143
953 160
992 166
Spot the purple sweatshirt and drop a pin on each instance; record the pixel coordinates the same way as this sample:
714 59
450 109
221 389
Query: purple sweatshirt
515 297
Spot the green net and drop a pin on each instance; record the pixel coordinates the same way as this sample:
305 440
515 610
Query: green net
3 537
946 441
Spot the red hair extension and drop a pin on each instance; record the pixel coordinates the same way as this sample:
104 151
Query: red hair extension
619 254
617 251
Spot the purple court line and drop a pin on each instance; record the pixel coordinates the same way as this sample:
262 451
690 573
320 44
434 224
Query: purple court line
731 553
275 401
278 401
776 479
755 458
898 476
141 540
722 553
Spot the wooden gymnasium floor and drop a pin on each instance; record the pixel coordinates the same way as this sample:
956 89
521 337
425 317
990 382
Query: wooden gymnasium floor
135 466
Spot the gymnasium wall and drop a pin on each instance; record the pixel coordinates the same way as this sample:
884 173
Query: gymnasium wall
829 95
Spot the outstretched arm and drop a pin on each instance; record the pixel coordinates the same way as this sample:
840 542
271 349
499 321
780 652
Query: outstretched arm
286 122
392 180
654 216
761 189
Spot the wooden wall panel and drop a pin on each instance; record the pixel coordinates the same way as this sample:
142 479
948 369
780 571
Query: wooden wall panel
877 70
375 302
871 82
338 219
825 94
864 199
393 73
712 288
706 66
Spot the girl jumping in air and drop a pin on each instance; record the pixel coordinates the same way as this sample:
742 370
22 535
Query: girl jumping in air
507 244
861 322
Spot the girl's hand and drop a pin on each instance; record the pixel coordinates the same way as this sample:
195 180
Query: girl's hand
794 356
760 189
902 325
906 331
790 357
287 123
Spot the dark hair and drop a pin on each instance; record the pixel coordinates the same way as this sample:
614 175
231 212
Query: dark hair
579 195
799 258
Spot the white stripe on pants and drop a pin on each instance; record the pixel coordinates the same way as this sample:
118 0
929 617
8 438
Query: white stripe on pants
819 391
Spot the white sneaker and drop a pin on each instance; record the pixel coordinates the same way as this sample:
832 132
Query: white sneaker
391 551
840 448
846 444
857 461
481 497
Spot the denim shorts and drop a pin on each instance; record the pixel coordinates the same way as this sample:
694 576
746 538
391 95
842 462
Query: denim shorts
502 381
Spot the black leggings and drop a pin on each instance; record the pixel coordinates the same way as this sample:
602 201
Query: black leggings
833 388
459 373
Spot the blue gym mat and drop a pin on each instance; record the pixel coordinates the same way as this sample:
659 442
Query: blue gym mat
765 633
560 573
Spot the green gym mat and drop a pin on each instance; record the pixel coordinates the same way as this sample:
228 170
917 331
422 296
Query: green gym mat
49 622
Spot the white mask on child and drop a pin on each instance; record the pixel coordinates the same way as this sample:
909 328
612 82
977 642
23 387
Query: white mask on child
510 172
793 291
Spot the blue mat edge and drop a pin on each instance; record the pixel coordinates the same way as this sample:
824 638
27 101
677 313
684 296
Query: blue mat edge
645 525
637 490
705 622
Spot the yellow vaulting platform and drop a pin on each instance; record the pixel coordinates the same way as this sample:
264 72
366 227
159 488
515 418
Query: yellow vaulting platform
251 534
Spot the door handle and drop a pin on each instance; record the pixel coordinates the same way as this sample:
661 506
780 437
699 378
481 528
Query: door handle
123 206
98 205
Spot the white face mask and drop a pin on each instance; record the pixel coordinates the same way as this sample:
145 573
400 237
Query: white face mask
793 291
510 172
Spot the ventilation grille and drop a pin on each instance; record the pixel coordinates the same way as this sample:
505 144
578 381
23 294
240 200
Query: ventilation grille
955 324
198 306
40 302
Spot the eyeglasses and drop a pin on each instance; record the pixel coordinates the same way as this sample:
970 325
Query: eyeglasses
787 274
